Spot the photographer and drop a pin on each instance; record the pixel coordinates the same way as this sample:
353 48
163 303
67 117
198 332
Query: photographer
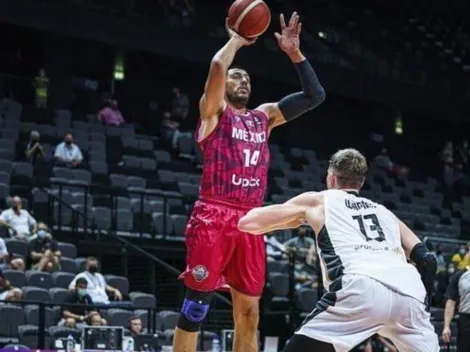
34 150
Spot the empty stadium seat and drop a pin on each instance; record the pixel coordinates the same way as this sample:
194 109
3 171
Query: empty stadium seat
35 294
17 278
143 300
168 319
39 279
118 317
119 282
11 317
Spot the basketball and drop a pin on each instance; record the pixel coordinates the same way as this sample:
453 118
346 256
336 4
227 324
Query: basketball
249 18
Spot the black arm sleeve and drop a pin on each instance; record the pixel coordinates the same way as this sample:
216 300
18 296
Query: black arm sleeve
452 291
312 94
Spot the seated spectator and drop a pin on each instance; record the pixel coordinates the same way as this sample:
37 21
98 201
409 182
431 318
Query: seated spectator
34 151
379 343
74 316
95 319
97 287
7 260
274 248
20 223
135 326
171 129
301 244
68 153
110 115
461 258
311 258
7 291
44 251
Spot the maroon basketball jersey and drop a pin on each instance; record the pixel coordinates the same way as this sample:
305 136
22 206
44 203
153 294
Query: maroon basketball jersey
236 158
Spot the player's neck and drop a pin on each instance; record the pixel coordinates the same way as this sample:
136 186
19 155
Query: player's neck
241 109
350 190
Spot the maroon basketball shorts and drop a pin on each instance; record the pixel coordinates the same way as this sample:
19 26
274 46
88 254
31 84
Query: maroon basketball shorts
218 254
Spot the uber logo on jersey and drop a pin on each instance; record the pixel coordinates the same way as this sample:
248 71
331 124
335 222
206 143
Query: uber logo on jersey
245 182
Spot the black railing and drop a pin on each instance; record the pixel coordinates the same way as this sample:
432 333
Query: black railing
141 224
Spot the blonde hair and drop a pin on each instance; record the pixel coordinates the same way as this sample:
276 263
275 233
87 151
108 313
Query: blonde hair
349 166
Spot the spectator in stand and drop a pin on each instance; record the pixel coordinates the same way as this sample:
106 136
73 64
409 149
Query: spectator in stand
135 326
68 153
41 86
312 257
98 289
7 291
170 129
301 244
7 260
442 281
461 258
274 248
95 319
384 162
34 151
179 105
74 316
441 261
377 343
110 115
44 251
20 223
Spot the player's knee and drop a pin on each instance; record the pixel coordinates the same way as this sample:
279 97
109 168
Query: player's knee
247 316
195 308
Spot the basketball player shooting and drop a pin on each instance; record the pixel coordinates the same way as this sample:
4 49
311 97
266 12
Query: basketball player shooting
363 249
234 141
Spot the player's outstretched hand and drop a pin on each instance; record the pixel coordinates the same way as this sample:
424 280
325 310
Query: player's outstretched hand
237 37
446 334
288 40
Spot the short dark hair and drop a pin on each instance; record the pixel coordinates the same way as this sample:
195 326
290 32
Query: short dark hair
349 166
81 281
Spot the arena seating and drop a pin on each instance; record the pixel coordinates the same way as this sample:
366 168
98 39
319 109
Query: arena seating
152 193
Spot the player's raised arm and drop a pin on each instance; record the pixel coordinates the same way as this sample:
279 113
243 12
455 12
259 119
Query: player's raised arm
289 215
312 94
212 102
418 253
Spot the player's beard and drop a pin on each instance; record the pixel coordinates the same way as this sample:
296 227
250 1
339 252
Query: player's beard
237 100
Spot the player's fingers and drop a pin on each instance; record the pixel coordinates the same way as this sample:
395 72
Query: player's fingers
283 21
292 19
277 35
296 21
299 27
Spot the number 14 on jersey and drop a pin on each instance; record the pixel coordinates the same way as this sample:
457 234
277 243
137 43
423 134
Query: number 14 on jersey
251 157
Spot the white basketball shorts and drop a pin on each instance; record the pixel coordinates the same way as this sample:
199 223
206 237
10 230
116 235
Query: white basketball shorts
363 307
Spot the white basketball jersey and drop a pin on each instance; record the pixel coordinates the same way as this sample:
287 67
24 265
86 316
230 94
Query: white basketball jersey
363 237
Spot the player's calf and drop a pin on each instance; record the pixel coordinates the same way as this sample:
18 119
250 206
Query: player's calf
195 308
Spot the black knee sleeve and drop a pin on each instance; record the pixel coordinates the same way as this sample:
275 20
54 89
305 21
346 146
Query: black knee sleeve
195 308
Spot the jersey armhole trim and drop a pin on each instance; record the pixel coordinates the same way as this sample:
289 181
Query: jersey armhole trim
209 136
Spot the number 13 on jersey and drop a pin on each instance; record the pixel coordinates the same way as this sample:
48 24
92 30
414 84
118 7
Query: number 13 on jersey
251 157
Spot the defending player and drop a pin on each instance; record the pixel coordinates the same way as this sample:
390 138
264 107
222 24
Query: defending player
234 142
363 249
